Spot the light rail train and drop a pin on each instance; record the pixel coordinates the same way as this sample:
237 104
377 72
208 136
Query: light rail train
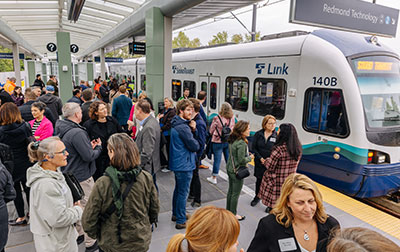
341 90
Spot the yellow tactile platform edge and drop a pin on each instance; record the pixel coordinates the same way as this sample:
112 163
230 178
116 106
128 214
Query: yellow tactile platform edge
368 214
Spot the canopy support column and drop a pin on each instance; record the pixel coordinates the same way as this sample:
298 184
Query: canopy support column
64 65
17 67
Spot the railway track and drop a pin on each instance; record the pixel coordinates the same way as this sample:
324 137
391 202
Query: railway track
385 204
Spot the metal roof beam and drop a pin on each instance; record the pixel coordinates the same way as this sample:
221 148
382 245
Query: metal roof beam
28 12
10 34
109 9
29 5
125 3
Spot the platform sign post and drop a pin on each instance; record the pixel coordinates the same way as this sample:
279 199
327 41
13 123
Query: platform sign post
350 15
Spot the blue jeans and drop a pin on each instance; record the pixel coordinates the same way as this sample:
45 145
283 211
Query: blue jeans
218 148
182 186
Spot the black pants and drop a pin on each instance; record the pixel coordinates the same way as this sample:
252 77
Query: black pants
258 185
195 185
102 163
164 159
19 200
3 227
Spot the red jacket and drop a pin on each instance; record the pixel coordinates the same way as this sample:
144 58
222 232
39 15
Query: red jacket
44 130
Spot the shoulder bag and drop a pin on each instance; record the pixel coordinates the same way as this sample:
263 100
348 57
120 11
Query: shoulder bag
74 186
241 172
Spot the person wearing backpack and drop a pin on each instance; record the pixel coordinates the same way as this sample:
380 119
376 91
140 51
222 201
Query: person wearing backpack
220 129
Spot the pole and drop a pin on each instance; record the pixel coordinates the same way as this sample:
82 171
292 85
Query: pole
253 27
102 64
17 69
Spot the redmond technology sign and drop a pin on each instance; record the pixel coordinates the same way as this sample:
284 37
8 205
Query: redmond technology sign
349 15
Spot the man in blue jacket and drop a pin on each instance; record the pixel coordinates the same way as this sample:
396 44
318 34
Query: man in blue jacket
182 162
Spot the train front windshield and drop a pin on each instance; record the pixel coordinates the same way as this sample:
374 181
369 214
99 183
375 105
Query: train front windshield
378 79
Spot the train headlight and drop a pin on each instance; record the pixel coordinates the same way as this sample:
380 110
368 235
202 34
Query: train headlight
381 158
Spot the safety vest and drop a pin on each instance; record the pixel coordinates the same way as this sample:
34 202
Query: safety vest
9 87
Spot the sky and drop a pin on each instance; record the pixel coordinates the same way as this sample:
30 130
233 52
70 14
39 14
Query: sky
272 18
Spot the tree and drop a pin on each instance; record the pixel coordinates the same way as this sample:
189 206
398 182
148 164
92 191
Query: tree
248 37
122 52
237 38
220 38
7 65
183 41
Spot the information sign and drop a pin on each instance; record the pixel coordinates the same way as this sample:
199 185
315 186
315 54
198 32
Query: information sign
137 48
350 15
51 47
74 48
109 59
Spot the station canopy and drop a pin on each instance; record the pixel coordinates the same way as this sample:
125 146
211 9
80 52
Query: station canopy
33 24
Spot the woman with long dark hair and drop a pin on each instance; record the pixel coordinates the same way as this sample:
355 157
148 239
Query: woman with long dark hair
18 96
238 156
284 159
165 119
15 133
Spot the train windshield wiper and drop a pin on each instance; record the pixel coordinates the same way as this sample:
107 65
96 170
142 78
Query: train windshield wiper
391 119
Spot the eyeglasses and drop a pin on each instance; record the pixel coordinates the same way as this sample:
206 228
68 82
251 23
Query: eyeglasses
64 152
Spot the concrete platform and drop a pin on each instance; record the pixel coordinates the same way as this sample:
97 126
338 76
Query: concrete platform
20 238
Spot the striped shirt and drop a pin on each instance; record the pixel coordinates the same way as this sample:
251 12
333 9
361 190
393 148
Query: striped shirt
35 126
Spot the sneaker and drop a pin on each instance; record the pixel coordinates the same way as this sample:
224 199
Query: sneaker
254 201
165 170
203 166
180 226
80 239
195 204
92 248
212 180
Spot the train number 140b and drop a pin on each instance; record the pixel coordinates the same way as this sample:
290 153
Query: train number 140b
326 81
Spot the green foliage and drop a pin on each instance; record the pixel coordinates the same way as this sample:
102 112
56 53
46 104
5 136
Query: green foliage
6 65
220 38
122 52
248 37
183 41
237 38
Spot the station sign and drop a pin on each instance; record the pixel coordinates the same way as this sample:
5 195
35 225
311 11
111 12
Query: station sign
74 48
10 56
137 48
51 47
109 59
350 15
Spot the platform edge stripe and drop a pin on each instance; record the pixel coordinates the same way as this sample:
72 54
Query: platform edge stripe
384 222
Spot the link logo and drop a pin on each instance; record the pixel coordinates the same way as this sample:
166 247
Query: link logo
271 69
260 67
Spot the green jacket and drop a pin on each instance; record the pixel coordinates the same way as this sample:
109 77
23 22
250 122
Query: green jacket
238 151
141 207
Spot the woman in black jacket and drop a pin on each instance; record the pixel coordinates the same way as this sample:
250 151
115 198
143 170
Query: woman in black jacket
7 193
298 222
101 126
165 119
262 144
16 133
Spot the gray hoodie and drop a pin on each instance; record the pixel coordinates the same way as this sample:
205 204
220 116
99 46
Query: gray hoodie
52 212
81 158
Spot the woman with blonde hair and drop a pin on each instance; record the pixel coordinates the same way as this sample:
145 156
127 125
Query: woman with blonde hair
261 146
219 138
298 221
53 211
358 239
202 234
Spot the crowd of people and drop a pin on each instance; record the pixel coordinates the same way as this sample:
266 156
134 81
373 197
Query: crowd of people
113 145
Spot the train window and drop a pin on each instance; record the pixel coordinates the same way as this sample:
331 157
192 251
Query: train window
269 97
192 88
176 89
204 88
213 95
325 112
237 92
143 82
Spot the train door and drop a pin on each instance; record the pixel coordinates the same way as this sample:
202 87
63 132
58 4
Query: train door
210 84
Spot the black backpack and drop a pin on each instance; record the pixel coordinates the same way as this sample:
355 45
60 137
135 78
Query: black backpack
7 157
225 132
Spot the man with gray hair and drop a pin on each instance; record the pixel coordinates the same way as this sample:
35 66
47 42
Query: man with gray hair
81 158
